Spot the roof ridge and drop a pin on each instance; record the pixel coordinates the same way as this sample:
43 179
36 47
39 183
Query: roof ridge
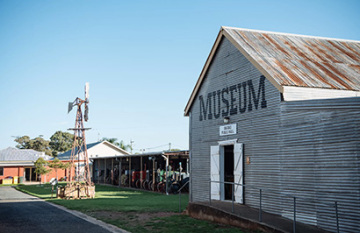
319 59
289 34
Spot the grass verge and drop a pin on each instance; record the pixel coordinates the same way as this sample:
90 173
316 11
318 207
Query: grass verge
133 210
1 185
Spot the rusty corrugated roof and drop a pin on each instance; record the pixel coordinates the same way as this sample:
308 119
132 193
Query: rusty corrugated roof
302 61
293 60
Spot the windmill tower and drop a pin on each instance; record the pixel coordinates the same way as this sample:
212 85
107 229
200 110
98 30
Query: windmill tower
80 185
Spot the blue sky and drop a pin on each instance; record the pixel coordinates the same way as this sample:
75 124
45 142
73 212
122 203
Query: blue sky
141 58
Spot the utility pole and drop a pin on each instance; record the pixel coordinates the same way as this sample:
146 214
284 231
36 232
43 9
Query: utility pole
169 146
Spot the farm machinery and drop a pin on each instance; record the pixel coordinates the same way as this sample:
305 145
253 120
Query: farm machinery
164 172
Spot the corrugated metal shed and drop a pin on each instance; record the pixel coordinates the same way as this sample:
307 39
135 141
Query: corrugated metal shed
308 149
319 159
294 60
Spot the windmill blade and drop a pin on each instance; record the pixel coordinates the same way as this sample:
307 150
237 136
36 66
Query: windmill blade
70 106
86 91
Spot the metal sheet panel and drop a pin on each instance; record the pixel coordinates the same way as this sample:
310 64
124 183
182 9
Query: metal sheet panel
303 61
320 159
257 129
307 149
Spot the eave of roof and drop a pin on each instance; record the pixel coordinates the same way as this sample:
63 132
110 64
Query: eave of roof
66 155
115 147
15 154
147 154
16 163
293 60
203 72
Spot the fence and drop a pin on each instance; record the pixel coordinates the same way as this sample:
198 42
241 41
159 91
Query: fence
303 209
179 192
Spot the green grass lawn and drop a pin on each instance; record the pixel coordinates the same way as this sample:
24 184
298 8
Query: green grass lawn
109 198
133 210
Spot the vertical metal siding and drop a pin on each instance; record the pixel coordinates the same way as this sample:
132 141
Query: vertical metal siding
258 129
308 148
324 165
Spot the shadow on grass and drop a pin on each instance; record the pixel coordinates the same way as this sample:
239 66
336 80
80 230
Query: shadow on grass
124 203
114 199
132 203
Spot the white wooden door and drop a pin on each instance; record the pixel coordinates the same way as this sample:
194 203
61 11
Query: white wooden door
238 172
215 172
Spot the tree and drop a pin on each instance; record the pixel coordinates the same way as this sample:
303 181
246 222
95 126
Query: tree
38 144
111 140
23 142
40 167
175 150
124 146
61 142
57 164
120 144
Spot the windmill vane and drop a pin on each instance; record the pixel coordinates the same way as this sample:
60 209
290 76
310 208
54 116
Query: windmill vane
79 177
79 102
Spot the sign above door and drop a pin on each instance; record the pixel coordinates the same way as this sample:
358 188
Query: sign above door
228 129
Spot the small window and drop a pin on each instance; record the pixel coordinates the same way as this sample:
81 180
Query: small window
1 171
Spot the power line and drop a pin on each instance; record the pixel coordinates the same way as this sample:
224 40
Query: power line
150 148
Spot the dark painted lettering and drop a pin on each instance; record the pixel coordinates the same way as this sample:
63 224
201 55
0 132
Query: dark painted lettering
225 101
254 97
233 108
262 87
217 103
209 100
242 101
204 108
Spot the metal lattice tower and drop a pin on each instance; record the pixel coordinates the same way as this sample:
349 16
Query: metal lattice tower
79 148
79 185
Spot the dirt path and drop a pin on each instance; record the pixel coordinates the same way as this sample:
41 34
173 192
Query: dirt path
132 219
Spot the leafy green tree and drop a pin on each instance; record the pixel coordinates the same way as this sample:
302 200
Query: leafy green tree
124 146
66 165
58 164
61 142
40 166
111 140
38 144
175 150
23 142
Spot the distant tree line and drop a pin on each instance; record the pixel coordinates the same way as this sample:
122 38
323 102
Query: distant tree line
59 142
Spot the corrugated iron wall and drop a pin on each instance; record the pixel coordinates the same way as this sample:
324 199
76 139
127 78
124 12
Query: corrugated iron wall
257 129
320 158
307 149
